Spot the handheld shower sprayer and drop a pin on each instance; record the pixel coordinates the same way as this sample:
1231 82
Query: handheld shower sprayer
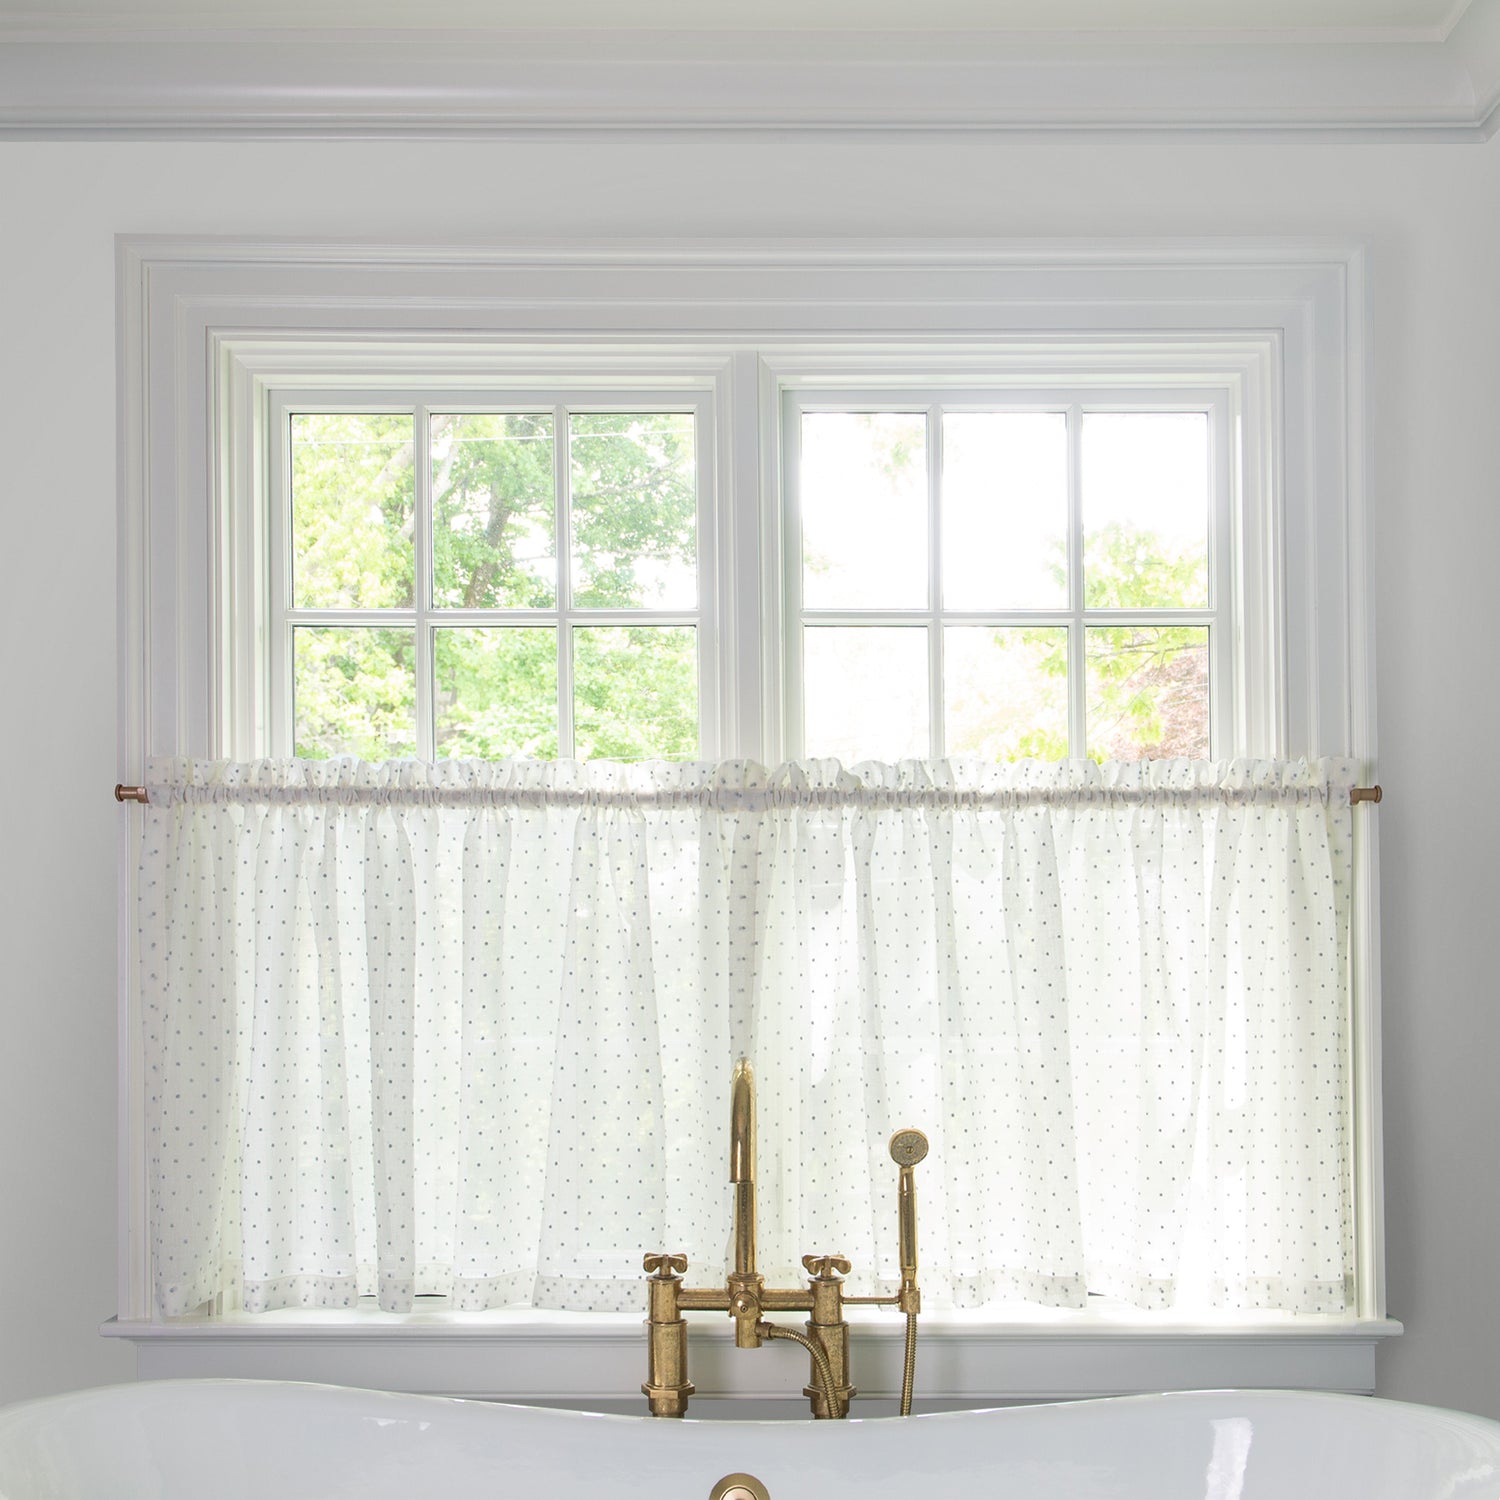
908 1147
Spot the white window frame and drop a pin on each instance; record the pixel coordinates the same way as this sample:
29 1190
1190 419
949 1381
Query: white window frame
270 671
1277 328
1232 719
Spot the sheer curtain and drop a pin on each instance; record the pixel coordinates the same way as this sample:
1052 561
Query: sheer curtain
466 1029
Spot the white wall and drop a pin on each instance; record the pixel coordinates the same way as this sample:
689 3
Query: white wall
1432 218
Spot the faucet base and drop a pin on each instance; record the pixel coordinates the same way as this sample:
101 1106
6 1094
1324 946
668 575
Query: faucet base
668 1400
814 1394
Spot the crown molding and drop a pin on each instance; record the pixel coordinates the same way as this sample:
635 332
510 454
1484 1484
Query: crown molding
318 84
1476 37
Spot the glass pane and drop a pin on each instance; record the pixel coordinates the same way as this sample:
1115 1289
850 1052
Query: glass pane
1145 510
634 510
494 540
1006 692
865 692
635 692
352 508
1005 510
864 510
354 692
495 693
1147 692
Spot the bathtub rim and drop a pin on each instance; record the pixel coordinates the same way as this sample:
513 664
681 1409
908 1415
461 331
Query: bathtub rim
1275 1396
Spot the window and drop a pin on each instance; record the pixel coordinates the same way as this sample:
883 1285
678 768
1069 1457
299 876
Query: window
1026 575
424 606
1023 579
1059 361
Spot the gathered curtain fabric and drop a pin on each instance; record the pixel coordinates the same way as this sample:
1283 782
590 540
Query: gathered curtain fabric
466 1029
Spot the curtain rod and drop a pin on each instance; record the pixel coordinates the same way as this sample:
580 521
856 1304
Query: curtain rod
125 793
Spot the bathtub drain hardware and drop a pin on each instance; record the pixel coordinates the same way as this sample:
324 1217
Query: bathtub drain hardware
739 1487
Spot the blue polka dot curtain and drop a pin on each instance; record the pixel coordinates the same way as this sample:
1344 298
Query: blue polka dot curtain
465 1030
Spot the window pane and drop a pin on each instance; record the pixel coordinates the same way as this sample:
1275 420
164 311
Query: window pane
1147 692
354 692
635 692
495 693
1145 510
865 692
493 512
352 508
1005 510
864 510
634 506
1006 692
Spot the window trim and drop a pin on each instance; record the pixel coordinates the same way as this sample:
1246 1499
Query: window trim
203 326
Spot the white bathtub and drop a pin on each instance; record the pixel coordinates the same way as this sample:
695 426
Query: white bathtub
268 1440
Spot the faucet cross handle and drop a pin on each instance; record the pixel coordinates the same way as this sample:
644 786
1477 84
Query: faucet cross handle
664 1267
825 1267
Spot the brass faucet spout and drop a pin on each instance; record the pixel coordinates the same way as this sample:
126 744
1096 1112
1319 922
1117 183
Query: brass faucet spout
742 1165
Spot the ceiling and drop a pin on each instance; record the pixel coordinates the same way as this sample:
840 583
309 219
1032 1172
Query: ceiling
1285 20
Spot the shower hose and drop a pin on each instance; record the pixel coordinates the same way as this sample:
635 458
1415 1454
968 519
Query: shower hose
820 1360
825 1371
909 1367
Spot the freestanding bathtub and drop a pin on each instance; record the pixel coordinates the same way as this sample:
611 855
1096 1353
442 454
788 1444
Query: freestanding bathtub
271 1440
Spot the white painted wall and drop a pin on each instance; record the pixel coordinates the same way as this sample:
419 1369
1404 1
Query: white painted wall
1432 218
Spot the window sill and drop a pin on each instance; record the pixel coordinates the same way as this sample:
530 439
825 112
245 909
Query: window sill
599 1361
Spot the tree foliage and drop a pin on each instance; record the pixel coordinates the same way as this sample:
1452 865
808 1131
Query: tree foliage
631 546
494 547
493 483
1147 684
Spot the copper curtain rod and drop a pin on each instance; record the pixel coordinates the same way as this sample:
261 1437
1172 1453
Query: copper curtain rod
125 793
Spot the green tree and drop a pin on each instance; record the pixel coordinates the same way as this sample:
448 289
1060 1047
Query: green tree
1147 687
494 547
632 545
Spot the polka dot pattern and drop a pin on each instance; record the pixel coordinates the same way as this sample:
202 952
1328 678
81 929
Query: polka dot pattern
465 1030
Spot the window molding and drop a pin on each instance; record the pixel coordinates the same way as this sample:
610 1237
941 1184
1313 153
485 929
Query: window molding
260 383
1246 369
203 325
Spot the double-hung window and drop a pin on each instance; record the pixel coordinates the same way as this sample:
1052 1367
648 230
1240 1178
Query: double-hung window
1064 559
465 580
1025 574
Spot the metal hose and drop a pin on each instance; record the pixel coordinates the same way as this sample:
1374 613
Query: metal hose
819 1359
909 1371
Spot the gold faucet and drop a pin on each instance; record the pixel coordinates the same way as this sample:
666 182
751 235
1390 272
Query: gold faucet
746 1298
